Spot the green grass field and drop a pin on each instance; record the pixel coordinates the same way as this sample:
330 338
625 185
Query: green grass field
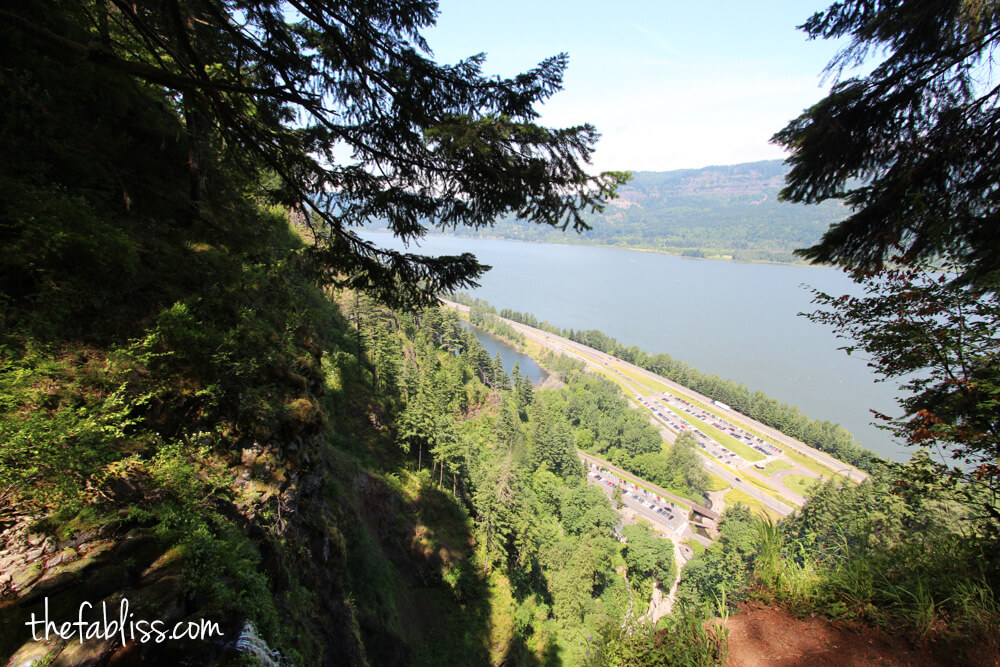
643 380
800 484
737 496
716 483
533 349
809 463
771 491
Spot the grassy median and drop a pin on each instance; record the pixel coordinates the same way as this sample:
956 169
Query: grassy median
724 440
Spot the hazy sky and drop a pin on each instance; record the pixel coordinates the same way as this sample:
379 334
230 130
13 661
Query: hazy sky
669 84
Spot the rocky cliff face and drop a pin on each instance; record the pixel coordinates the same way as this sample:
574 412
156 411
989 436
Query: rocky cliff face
103 572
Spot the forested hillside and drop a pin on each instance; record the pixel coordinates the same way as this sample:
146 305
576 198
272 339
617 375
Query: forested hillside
728 211
910 551
218 404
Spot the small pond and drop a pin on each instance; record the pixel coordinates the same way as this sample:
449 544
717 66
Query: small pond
509 355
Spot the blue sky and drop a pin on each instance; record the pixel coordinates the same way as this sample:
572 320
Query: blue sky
669 84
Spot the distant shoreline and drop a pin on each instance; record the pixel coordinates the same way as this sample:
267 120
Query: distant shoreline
586 244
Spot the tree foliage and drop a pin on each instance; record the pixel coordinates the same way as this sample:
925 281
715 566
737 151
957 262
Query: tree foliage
940 337
910 147
338 106
649 557
724 571
512 461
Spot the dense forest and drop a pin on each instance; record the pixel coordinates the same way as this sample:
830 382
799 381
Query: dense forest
218 402
731 212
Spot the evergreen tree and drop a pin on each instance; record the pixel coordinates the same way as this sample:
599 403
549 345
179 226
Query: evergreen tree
515 380
508 427
554 444
525 390
280 90
911 146
501 381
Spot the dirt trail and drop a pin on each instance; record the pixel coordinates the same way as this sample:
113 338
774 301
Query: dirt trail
761 636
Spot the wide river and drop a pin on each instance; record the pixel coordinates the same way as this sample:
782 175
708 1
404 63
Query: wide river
739 321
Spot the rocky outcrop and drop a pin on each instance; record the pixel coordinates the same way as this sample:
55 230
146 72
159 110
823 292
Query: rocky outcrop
94 575
90 579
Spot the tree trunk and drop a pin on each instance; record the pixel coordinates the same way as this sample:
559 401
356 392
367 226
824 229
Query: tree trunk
357 325
193 123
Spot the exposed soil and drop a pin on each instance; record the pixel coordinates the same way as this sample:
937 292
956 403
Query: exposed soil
771 636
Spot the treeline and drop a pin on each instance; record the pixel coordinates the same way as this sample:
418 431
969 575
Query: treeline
487 319
823 435
721 212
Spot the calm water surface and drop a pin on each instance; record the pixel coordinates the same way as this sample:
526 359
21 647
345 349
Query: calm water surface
508 355
739 321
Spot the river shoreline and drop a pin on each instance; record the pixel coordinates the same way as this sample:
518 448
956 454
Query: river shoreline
653 251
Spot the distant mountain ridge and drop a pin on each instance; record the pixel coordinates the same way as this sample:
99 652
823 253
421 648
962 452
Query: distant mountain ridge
729 211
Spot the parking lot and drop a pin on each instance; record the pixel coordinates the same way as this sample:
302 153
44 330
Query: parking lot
762 446
658 511
721 453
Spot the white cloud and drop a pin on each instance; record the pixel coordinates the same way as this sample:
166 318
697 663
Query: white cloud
709 115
